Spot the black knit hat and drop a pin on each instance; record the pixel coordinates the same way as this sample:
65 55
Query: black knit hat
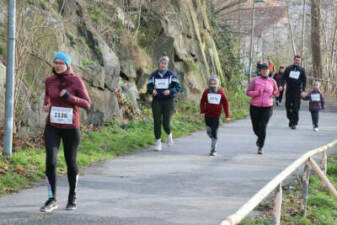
264 66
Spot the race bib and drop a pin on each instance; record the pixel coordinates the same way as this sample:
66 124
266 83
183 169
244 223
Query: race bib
294 74
61 115
162 83
214 98
316 97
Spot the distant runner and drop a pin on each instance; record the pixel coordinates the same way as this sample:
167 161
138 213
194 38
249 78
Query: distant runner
261 90
278 78
296 80
211 104
163 85
316 103
64 94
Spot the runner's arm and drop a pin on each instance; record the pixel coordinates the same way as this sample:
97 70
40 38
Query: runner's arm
150 85
175 85
322 101
81 99
304 80
307 97
225 104
250 90
203 103
276 93
46 95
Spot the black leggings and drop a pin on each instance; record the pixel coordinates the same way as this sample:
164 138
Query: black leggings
71 140
212 126
260 117
162 111
315 118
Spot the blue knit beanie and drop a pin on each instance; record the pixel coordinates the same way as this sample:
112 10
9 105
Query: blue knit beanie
64 57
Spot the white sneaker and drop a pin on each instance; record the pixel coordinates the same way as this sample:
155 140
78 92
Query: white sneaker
169 139
316 129
158 146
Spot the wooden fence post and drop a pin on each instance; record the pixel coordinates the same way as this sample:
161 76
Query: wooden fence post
324 179
277 206
305 190
324 166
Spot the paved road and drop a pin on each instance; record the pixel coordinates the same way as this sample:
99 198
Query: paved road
179 186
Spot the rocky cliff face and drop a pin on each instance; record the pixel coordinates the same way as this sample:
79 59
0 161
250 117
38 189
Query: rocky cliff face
114 47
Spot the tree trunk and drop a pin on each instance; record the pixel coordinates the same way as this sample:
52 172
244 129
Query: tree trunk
291 30
303 29
316 38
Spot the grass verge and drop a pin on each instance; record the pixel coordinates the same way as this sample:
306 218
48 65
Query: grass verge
115 138
322 206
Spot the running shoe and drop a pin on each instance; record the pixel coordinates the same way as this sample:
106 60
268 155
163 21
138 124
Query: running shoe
213 152
158 146
49 206
169 139
71 205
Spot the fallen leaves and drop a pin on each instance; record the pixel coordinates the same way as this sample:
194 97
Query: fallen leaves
4 166
19 170
3 172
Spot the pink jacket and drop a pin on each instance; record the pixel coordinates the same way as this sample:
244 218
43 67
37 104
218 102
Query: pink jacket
262 91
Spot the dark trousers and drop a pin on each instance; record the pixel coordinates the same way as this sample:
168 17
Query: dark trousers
162 111
315 118
279 98
212 126
71 140
260 117
293 106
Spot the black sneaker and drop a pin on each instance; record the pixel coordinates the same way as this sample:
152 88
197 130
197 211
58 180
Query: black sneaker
49 206
259 151
213 152
293 127
71 205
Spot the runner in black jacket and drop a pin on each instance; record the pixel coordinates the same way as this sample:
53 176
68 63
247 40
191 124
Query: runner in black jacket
296 80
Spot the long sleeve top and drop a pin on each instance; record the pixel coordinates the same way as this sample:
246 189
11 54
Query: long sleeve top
61 107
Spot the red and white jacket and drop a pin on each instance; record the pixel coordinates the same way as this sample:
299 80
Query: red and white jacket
211 104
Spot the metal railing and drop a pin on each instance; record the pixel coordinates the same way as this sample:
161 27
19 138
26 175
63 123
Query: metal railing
276 183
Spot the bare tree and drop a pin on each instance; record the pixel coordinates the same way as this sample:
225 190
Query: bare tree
316 38
291 29
303 28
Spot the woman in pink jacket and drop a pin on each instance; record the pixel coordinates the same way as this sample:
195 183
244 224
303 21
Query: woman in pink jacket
261 90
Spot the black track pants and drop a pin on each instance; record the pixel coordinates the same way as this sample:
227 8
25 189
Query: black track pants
293 106
162 111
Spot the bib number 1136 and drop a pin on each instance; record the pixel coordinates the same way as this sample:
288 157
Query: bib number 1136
61 115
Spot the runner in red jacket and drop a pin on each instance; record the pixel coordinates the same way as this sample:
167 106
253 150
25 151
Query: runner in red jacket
211 104
65 93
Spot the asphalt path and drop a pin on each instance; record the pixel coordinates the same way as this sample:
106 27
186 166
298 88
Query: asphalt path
181 185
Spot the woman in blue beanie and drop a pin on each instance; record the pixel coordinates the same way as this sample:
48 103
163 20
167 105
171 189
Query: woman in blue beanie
65 93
